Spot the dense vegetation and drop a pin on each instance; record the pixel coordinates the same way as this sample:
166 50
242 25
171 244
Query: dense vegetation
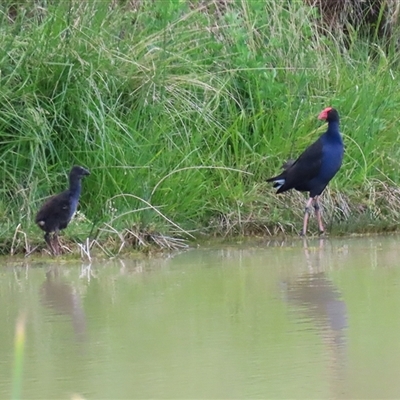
181 110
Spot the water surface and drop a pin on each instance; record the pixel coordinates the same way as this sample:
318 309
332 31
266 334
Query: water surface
257 319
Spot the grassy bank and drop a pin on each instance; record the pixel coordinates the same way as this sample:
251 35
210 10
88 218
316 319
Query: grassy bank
181 111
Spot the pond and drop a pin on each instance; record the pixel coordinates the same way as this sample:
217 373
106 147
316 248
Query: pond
250 319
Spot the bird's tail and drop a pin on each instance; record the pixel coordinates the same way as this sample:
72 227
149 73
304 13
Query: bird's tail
278 181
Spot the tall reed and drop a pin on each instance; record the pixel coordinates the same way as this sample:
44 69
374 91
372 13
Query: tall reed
181 110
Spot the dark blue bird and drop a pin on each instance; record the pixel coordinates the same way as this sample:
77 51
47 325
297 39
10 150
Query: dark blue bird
56 212
315 167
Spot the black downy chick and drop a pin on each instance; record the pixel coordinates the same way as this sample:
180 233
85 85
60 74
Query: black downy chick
56 213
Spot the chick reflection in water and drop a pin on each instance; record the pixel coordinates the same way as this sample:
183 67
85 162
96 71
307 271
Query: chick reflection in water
64 299
317 301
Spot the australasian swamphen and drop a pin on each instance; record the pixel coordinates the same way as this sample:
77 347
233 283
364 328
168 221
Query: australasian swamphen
315 167
56 213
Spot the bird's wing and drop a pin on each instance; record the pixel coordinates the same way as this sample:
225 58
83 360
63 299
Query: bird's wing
305 168
57 205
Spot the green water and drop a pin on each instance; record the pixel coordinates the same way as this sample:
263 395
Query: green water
248 320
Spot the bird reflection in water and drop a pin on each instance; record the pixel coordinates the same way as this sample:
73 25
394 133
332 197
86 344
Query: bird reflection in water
64 299
320 302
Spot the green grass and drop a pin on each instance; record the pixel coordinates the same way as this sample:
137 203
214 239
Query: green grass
181 113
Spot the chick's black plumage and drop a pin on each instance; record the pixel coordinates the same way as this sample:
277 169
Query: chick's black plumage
315 167
56 213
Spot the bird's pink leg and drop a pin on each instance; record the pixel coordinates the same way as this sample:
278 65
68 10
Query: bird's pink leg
57 243
318 215
48 239
306 216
